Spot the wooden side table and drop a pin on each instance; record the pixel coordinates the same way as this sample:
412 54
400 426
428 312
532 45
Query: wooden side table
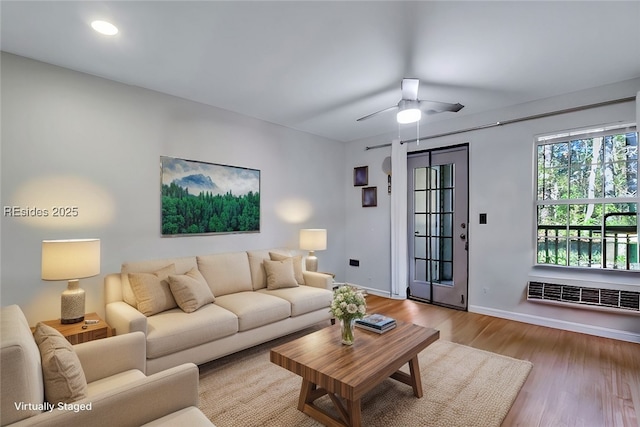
75 333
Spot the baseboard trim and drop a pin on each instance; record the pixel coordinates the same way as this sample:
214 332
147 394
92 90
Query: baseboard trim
558 324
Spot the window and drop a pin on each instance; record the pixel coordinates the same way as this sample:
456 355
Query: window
587 199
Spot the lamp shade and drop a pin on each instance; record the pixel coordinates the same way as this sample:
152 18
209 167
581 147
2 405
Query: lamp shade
70 259
313 239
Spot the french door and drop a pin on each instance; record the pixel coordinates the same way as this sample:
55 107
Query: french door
438 201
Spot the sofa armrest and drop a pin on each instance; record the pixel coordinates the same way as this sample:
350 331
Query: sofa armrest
132 405
124 318
109 356
318 280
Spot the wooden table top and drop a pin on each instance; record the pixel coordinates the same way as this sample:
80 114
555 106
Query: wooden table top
351 371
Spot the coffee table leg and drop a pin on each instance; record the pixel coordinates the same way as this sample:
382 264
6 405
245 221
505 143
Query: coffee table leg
305 392
416 379
355 413
350 416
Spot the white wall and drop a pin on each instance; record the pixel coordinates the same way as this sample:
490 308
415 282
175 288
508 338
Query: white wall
501 253
73 139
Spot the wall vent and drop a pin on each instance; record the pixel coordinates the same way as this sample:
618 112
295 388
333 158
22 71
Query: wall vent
610 299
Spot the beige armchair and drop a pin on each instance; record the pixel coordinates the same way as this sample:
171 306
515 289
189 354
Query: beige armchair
118 391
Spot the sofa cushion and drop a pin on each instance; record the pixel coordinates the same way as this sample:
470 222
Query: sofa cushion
20 366
64 379
303 299
255 309
152 291
297 264
183 265
256 260
174 330
226 273
190 290
280 274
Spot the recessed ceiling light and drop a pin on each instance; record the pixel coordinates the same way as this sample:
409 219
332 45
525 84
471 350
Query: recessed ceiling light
104 27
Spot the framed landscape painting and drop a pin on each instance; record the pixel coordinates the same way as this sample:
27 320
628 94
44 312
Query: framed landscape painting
205 198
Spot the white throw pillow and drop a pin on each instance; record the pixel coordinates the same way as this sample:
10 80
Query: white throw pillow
152 291
64 379
297 264
190 290
280 274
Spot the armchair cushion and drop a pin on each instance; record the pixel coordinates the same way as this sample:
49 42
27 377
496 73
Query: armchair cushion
64 379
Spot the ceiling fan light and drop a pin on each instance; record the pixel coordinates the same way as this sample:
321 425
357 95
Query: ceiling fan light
409 115
104 27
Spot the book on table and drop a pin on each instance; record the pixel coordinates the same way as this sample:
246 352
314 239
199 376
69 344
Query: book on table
376 323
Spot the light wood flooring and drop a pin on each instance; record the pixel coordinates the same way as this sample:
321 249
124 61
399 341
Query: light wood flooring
576 380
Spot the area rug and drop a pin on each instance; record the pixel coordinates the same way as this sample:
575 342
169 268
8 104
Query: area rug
462 386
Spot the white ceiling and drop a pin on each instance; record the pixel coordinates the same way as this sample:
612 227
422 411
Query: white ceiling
318 66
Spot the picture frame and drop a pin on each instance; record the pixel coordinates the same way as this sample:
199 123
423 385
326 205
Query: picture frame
200 198
369 197
360 176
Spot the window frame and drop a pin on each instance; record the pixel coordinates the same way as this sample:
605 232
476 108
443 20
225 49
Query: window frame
568 137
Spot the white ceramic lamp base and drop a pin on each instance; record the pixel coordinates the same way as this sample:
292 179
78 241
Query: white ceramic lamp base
311 263
72 303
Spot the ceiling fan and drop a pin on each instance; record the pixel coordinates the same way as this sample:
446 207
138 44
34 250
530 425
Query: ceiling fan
410 108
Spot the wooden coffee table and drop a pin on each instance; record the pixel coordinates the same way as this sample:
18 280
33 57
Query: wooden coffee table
346 373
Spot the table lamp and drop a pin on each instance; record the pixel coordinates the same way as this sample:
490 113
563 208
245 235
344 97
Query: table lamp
71 260
313 239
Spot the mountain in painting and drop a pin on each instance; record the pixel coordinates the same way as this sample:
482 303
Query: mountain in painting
197 184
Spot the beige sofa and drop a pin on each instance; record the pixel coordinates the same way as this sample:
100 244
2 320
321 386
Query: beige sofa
117 391
250 304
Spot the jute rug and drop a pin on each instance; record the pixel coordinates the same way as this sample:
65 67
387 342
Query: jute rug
462 386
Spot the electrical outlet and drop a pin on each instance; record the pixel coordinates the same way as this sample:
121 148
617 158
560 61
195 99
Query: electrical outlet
354 262
485 290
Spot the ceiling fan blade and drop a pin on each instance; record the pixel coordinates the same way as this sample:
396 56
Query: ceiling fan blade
431 107
410 89
377 112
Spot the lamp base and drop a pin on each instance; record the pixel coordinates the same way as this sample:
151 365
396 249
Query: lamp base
72 303
69 321
311 263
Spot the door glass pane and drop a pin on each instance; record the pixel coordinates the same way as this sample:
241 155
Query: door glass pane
420 201
420 182
420 248
447 225
420 224
447 175
447 250
447 200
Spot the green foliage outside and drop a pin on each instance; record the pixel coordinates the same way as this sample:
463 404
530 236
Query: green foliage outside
183 213
576 184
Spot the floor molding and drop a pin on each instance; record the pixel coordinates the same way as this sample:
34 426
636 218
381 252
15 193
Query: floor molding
558 324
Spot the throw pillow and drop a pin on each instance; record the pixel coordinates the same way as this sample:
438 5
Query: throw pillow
190 290
152 291
280 274
64 379
297 264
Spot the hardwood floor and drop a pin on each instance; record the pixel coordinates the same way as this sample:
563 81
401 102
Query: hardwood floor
576 380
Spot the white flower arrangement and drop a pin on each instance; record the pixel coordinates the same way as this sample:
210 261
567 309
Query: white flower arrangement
348 303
